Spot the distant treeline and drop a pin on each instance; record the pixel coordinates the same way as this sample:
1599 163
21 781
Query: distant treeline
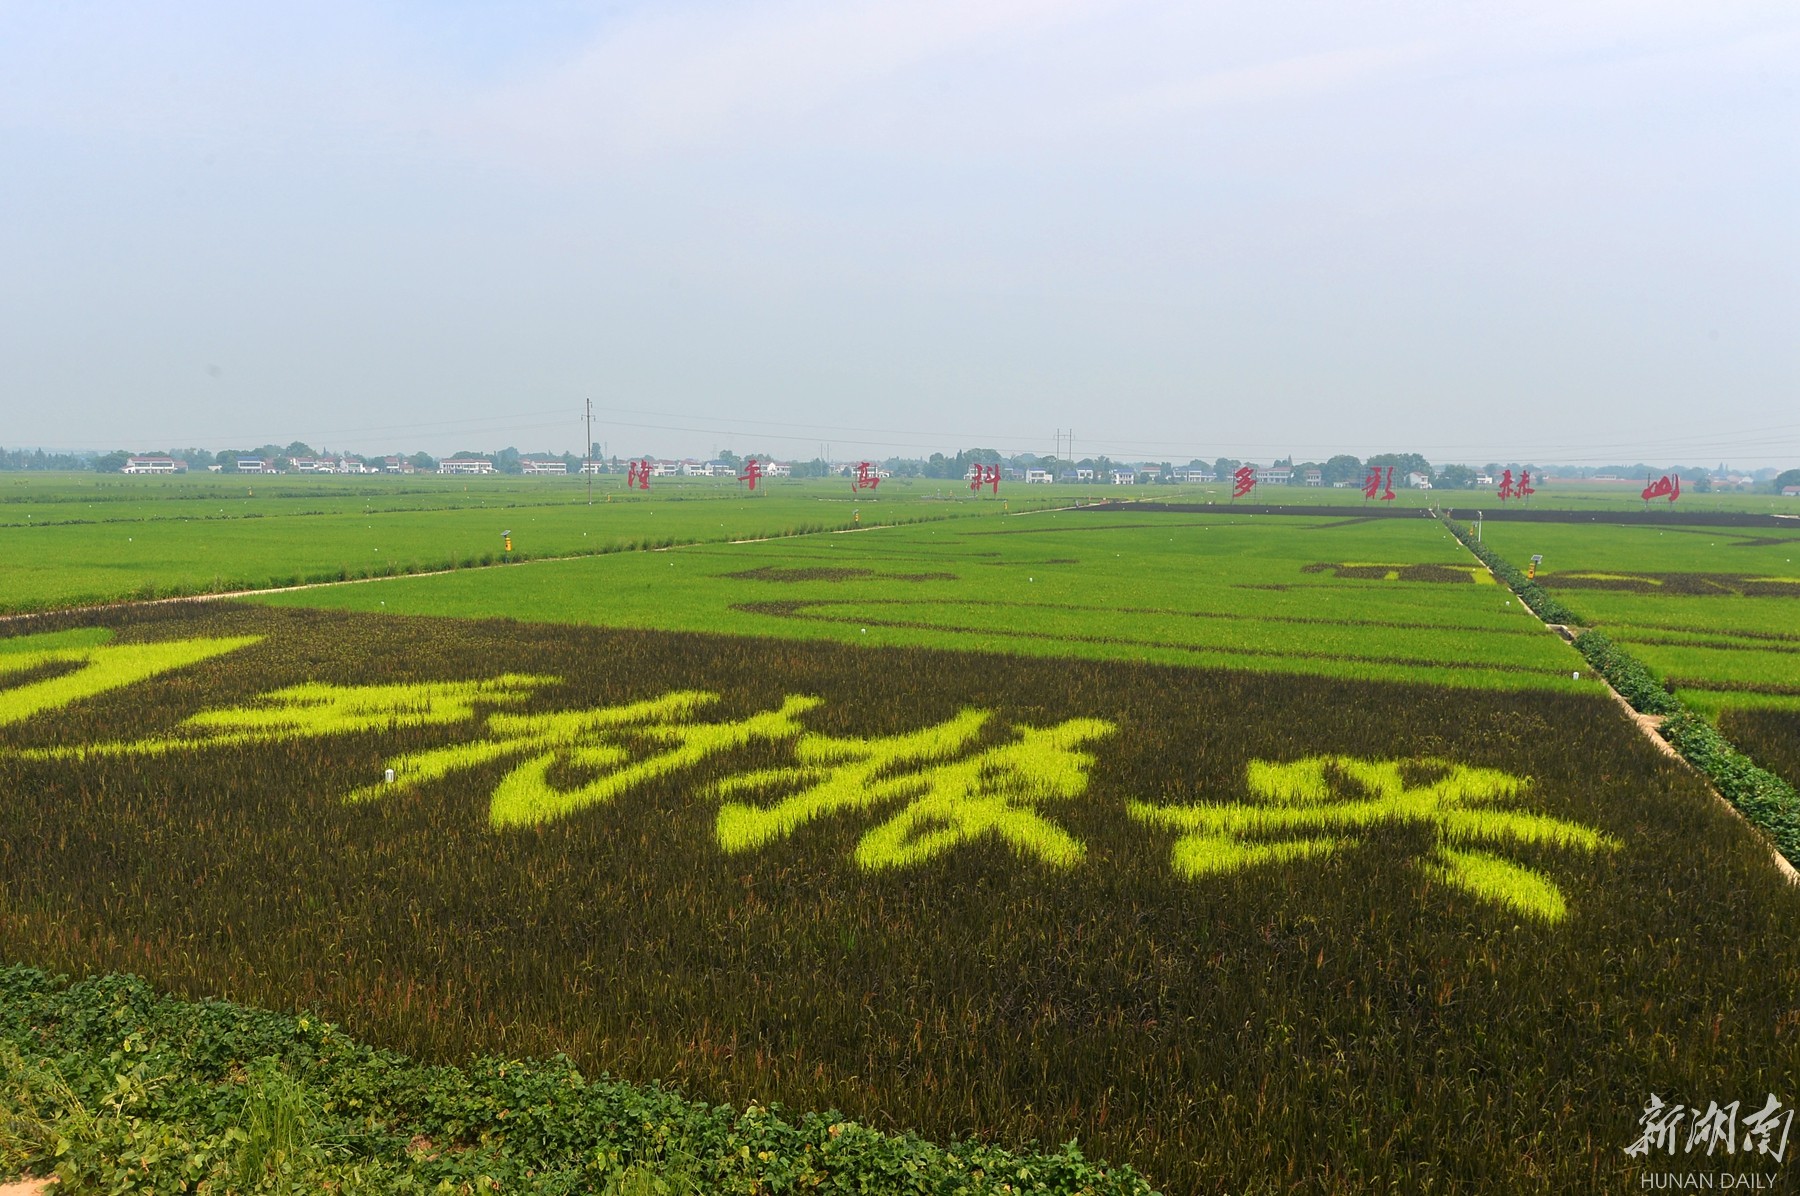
39 459
1339 470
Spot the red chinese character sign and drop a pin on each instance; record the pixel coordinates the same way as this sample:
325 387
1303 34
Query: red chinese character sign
866 477
1373 484
753 470
984 475
638 476
1243 481
1506 485
1524 489
1668 486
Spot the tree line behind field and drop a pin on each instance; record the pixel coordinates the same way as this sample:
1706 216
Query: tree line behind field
1343 469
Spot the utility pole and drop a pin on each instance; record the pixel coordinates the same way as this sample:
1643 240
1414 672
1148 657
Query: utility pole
587 452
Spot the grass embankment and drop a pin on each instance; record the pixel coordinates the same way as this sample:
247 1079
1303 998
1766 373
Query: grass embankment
1242 931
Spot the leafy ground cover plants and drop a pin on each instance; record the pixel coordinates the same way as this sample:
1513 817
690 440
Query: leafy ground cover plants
1410 1002
112 1087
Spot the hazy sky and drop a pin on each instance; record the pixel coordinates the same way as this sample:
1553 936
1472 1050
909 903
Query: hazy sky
1478 230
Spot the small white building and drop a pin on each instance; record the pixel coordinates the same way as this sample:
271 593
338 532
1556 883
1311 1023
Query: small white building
1124 477
153 464
1419 481
1315 477
1037 477
541 465
466 465
779 469
255 465
1274 475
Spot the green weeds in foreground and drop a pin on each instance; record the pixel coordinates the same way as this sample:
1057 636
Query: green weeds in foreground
113 1088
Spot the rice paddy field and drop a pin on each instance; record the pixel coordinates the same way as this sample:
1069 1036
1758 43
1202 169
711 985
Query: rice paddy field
1261 853
1389 599
72 542
1714 611
80 539
1245 930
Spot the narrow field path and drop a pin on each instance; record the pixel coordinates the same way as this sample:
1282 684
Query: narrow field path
1651 726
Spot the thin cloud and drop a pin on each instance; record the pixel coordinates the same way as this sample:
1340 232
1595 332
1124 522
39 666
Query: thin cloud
1304 76
669 80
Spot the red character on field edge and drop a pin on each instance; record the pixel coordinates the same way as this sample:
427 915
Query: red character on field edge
1372 485
1506 486
1243 481
638 476
752 471
1668 486
1524 489
984 475
866 477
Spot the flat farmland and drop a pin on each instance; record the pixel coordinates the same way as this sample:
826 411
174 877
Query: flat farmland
1247 931
79 541
1714 611
1391 599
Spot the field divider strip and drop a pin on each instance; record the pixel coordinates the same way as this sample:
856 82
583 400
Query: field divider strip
1651 724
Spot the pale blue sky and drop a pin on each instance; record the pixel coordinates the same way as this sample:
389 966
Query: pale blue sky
1553 231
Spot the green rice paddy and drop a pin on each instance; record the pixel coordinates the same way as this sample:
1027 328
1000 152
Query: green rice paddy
1242 930
1269 853
1222 590
1714 612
